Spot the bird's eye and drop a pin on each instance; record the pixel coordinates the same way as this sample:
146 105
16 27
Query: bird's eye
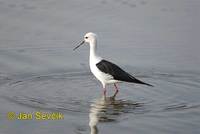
86 37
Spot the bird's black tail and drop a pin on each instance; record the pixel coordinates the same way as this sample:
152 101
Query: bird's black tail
146 84
134 80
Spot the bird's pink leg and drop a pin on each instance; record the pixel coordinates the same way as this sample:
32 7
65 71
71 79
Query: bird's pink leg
104 91
116 90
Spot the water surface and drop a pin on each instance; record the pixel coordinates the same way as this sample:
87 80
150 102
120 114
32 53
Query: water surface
156 41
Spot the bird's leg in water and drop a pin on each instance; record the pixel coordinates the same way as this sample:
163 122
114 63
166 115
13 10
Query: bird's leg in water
116 90
104 91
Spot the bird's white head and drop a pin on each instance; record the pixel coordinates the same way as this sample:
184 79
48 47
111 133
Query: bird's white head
90 38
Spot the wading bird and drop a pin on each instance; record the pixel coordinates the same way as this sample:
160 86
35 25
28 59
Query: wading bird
106 72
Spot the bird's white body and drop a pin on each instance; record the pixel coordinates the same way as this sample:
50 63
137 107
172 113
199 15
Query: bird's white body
94 59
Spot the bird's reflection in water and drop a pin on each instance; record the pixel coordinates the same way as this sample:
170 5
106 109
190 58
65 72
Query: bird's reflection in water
108 109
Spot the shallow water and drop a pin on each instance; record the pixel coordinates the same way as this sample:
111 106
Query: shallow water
156 41
168 107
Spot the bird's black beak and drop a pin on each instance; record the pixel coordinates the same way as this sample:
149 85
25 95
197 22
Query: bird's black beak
81 43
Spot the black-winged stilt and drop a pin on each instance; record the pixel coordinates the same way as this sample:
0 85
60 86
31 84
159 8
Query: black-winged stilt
105 71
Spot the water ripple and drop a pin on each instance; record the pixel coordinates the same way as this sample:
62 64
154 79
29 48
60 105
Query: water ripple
75 92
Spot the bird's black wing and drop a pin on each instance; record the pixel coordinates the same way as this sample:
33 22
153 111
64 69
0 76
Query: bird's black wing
117 73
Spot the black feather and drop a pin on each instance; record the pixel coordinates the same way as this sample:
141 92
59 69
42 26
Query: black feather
117 73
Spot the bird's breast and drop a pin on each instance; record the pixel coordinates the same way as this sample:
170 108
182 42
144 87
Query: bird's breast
93 68
101 76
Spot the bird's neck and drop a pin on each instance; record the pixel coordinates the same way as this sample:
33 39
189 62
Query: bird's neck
94 58
93 49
